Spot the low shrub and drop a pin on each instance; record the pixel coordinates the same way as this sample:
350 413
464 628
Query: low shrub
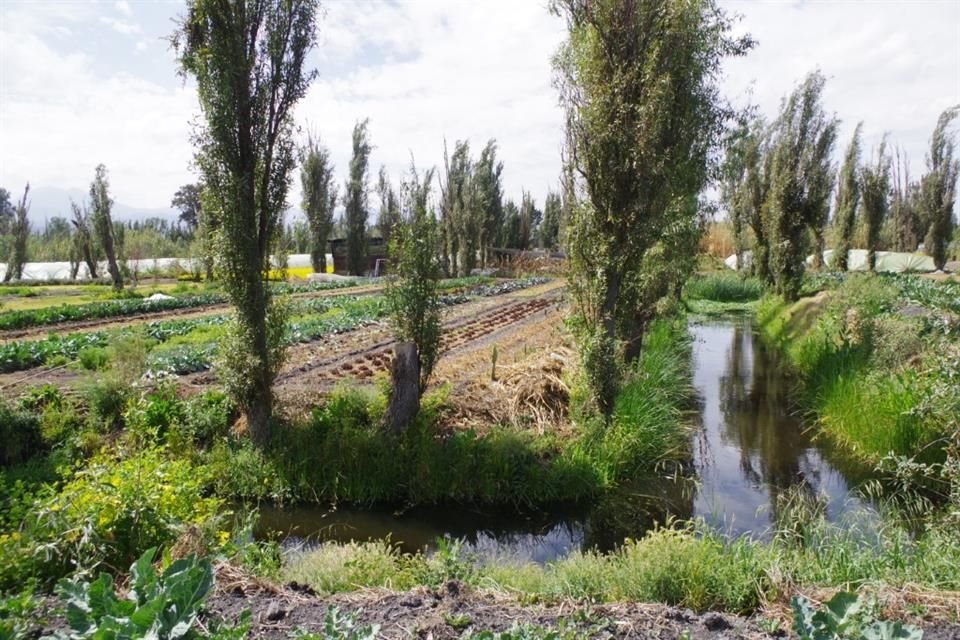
93 358
20 434
107 513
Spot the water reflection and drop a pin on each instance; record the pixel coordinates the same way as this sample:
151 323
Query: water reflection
754 448
750 448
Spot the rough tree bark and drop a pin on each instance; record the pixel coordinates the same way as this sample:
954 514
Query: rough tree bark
405 388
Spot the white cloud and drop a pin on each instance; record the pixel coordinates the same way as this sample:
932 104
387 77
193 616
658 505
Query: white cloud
123 7
425 69
121 26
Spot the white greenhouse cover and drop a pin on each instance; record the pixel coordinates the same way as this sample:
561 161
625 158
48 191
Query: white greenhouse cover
886 261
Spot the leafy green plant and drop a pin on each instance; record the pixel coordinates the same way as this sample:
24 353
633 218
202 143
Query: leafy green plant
15 610
163 606
846 617
517 632
340 626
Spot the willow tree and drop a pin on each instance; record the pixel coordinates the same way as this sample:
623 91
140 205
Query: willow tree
801 180
319 198
640 85
101 205
20 230
876 200
248 58
938 188
848 198
355 200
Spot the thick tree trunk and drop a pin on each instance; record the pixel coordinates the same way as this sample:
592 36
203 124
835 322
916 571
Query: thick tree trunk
260 396
405 390
112 266
818 245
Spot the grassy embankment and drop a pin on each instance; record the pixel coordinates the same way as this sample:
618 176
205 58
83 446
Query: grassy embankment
878 359
91 480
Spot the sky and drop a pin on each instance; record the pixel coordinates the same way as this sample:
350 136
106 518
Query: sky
88 82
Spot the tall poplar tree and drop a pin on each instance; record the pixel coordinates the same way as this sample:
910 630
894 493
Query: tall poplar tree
319 198
876 200
640 85
550 228
848 198
938 188
20 230
100 207
389 218
248 59
355 202
488 186
801 180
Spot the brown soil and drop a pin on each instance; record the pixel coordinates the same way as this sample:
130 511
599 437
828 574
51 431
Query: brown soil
455 609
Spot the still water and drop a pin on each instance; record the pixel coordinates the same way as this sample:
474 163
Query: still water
749 447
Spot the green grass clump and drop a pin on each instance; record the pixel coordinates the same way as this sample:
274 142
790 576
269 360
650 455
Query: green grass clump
344 454
723 287
880 382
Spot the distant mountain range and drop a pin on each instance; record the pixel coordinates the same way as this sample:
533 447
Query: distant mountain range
50 202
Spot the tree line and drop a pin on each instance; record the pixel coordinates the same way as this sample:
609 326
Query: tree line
779 180
88 237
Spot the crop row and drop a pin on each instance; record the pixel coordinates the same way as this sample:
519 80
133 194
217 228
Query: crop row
12 320
355 311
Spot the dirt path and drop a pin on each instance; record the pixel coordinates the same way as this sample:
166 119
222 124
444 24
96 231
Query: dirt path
454 610
352 356
319 367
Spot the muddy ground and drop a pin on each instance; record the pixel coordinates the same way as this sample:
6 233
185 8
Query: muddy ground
455 610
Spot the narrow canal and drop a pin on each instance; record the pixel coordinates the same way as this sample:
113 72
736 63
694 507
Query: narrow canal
749 446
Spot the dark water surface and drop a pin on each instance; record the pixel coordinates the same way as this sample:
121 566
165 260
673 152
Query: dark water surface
749 448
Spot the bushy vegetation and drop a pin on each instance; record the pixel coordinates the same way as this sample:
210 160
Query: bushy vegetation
723 287
688 565
878 358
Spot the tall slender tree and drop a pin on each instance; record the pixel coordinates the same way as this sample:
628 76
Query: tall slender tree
388 220
319 198
84 245
639 82
414 302
356 208
248 58
489 193
550 228
876 200
903 204
7 212
801 180
530 218
938 188
100 207
20 229
743 190
848 199
459 210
